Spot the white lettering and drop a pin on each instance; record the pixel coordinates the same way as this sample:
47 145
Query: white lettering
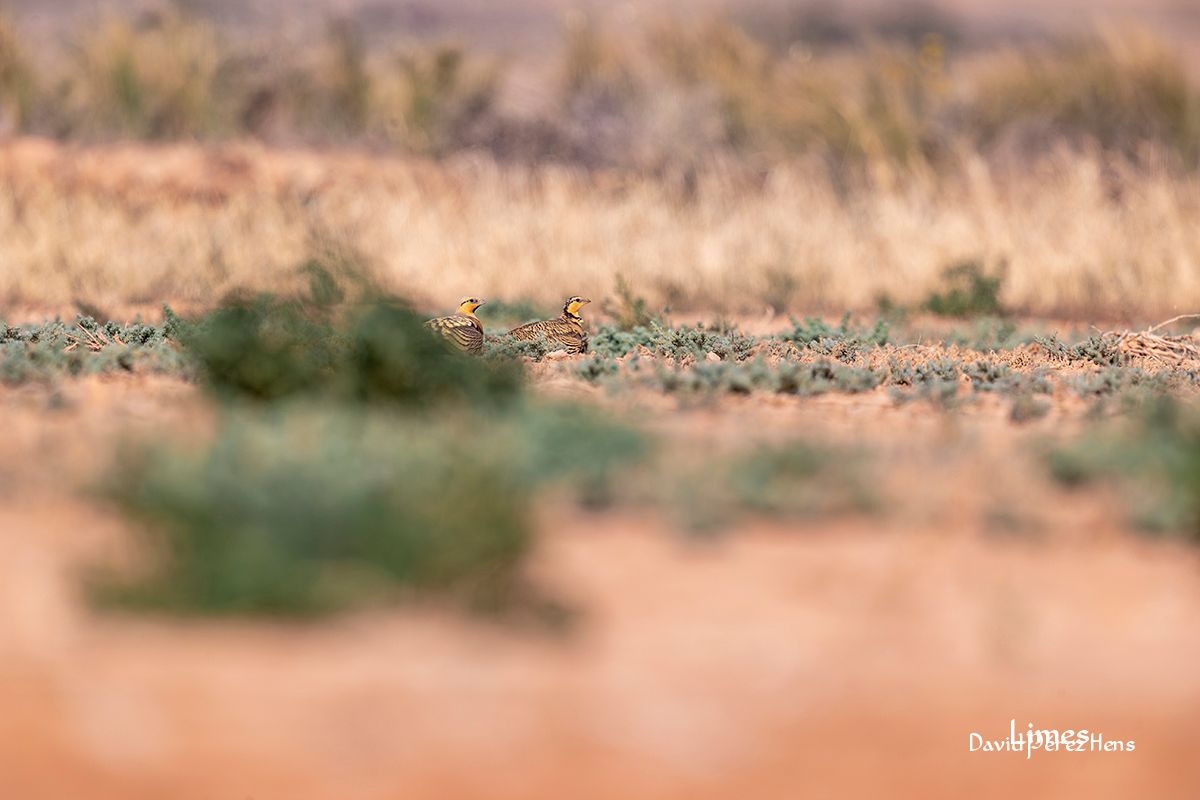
1072 740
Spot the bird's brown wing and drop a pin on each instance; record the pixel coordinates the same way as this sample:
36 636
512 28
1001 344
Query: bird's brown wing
465 332
568 334
529 331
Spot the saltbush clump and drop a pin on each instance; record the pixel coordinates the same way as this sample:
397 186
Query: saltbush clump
786 377
793 480
813 330
1154 457
310 512
269 348
300 509
52 349
1099 349
967 290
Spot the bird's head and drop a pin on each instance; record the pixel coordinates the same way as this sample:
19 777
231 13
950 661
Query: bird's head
573 305
468 305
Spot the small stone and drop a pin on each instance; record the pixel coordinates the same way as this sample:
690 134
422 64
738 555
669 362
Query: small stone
712 357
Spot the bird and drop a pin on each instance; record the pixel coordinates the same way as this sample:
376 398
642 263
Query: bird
567 329
462 328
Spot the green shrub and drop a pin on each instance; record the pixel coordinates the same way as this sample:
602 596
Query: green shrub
298 510
391 357
266 348
629 310
800 479
698 342
816 331
269 348
682 343
309 512
597 368
786 377
611 341
795 480
1027 407
905 373
1153 457
1129 381
997 376
988 334
53 349
1099 349
512 348
575 447
938 392
968 290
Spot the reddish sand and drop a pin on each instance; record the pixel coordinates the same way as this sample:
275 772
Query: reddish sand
841 659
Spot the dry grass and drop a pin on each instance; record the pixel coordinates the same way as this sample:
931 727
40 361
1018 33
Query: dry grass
1078 235
642 91
1155 349
146 81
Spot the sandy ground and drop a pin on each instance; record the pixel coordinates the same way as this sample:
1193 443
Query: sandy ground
849 658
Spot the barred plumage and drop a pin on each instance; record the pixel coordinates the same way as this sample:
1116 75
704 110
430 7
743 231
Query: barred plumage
567 330
462 328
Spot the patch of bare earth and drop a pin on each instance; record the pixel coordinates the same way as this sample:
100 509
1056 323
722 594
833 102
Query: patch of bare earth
826 658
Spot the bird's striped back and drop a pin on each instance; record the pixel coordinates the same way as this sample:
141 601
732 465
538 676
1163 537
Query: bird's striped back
567 330
463 329
465 332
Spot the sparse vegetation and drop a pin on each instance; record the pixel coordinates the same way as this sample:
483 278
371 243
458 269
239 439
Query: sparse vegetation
1099 349
968 290
796 480
311 512
51 350
816 331
1153 456
270 348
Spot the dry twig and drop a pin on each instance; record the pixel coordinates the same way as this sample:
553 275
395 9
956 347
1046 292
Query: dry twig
1172 351
93 340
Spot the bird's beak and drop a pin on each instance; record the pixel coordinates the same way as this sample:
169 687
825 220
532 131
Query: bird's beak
586 300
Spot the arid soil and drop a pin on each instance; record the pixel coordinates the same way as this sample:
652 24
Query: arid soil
847 656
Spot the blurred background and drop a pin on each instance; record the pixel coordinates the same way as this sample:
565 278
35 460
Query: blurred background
536 79
1051 142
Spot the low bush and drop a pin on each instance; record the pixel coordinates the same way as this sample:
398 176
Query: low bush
999 377
795 480
308 512
1153 456
1099 349
296 510
815 331
269 348
629 310
54 349
786 377
597 368
512 348
967 291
